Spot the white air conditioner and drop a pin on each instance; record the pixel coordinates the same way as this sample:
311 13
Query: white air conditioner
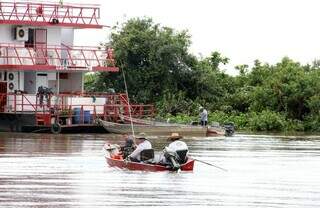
11 79
21 34
11 76
11 87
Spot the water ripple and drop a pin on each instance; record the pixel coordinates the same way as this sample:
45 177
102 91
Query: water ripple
40 170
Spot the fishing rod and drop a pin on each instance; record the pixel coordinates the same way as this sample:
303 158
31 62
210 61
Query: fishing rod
210 164
126 88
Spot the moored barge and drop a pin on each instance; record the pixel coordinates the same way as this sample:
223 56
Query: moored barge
42 71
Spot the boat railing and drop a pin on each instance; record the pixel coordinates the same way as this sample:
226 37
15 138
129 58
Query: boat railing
51 57
88 114
54 109
50 14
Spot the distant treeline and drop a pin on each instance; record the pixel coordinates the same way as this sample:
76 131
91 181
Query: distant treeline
160 70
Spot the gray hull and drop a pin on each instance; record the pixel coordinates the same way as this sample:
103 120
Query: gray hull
14 122
164 129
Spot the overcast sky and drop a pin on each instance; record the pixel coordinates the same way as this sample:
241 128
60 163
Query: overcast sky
243 30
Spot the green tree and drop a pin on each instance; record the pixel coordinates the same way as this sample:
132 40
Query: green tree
154 58
212 85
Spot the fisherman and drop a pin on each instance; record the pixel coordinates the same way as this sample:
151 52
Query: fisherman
128 146
203 116
176 149
142 144
178 146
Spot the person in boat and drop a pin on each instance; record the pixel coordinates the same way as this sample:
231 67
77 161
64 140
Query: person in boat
128 146
176 153
178 146
203 116
142 144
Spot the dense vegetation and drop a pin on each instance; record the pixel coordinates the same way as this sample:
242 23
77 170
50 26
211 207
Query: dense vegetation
160 70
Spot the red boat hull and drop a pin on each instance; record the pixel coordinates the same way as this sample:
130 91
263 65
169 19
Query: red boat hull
120 163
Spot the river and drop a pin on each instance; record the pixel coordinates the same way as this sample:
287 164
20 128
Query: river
44 171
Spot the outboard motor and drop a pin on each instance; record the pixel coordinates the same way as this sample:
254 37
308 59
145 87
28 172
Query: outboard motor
229 129
172 158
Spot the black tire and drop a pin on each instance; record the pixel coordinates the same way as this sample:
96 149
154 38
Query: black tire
56 128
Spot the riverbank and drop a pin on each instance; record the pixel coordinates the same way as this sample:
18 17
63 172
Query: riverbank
265 121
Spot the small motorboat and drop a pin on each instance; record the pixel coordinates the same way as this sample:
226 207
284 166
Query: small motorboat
114 159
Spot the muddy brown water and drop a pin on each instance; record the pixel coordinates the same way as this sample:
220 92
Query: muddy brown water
43 170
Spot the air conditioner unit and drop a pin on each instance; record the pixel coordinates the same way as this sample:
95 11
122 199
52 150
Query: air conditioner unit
21 33
11 87
11 81
11 76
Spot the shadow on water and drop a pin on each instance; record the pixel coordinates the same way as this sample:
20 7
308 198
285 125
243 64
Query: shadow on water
44 170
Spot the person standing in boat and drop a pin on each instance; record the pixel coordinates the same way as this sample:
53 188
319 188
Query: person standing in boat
128 146
203 116
142 144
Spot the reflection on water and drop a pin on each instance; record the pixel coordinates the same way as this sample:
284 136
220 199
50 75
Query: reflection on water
43 170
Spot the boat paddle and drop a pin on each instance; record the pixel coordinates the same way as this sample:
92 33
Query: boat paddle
210 164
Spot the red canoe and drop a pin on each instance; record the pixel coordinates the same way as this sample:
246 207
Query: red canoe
120 163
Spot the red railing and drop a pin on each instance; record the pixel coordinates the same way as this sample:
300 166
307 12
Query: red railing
50 14
109 113
112 97
56 58
69 114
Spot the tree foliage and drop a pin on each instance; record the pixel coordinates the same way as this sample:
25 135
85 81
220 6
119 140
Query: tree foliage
155 59
160 69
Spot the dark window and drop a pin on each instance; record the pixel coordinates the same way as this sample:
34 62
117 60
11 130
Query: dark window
63 76
30 42
42 74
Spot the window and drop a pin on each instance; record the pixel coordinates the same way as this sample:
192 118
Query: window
30 42
42 74
63 75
